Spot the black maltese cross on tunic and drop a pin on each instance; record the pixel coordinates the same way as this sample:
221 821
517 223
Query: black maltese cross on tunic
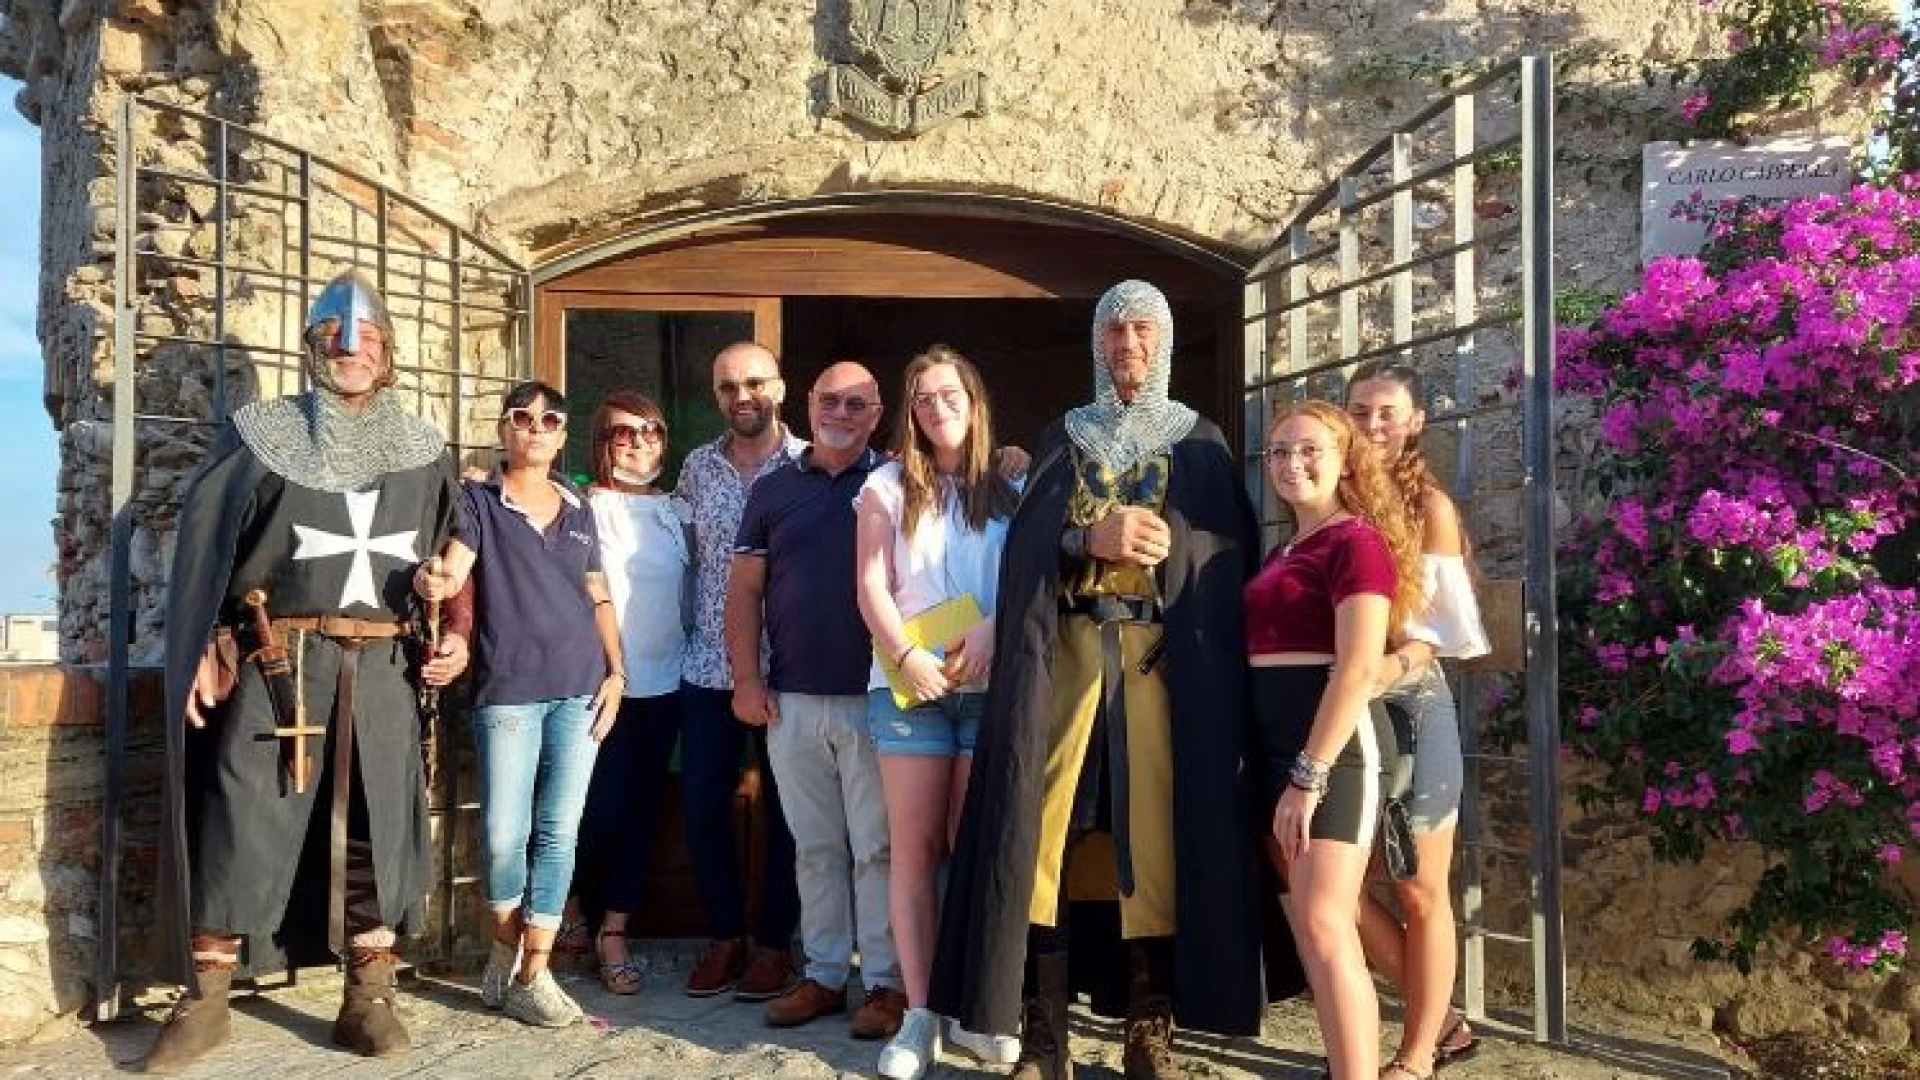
362 545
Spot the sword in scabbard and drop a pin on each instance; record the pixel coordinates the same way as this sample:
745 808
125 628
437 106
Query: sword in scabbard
290 721
430 695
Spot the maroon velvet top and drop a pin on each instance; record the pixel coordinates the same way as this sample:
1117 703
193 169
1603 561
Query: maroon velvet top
1290 601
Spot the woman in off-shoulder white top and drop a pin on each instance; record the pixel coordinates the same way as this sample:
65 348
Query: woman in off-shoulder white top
1419 955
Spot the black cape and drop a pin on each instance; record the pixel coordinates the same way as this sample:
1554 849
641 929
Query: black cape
212 528
1230 931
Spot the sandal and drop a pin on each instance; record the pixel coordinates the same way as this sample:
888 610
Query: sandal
1400 1070
620 976
1456 1043
572 939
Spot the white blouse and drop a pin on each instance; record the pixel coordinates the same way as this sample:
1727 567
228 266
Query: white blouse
1451 620
643 549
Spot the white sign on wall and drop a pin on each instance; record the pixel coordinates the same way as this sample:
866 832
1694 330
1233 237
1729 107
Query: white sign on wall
1786 167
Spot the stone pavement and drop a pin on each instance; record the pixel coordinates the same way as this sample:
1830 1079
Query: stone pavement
282 1034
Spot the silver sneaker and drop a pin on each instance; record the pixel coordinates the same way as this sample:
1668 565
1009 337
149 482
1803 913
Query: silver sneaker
501 960
541 1002
914 1049
990 1049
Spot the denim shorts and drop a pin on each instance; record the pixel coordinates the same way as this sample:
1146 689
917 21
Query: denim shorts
945 728
1438 772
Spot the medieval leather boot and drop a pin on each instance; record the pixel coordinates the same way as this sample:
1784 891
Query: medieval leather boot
196 1025
1043 1023
1149 1052
368 1024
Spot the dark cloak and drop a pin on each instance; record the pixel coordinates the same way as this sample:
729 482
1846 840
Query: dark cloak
1229 927
215 514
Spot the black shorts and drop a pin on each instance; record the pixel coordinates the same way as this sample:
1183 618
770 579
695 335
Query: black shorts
1284 701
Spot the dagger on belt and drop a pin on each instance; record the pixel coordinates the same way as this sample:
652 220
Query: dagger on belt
289 712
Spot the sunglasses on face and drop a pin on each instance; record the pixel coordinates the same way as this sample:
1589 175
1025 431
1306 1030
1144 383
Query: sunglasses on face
523 419
953 397
1308 453
851 404
632 434
753 387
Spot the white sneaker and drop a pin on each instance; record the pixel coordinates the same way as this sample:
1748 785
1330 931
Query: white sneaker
501 960
914 1049
990 1049
541 1002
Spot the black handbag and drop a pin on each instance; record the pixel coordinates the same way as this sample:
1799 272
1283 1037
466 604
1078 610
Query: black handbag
1398 855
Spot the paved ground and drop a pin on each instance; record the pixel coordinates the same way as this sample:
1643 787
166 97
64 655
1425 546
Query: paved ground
282 1034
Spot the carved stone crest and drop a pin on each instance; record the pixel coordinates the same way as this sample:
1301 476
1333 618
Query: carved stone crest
903 39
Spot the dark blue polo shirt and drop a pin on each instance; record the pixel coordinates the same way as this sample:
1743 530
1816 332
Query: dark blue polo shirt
801 520
534 637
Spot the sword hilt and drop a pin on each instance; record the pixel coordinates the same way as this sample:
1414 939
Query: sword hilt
268 652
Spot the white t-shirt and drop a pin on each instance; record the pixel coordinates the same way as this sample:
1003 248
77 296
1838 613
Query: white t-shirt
944 559
643 549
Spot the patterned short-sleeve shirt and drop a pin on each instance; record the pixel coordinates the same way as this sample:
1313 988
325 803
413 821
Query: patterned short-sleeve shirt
714 497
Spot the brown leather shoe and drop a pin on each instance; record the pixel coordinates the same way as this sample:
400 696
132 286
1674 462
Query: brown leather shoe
1149 1038
767 976
806 1002
718 968
368 1025
878 1017
197 1024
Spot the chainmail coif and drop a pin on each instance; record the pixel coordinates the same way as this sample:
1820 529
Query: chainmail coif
315 441
1117 434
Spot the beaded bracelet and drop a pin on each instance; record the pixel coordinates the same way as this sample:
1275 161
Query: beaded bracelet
1309 775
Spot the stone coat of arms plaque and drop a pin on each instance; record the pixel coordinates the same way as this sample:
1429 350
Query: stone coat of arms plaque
902 40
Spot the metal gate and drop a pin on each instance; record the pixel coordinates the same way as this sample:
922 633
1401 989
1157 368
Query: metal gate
222 235
1352 279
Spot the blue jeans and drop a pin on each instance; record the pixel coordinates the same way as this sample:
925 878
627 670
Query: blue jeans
712 740
535 762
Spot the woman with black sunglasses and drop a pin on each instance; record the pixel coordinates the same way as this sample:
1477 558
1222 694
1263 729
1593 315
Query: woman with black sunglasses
645 554
548 675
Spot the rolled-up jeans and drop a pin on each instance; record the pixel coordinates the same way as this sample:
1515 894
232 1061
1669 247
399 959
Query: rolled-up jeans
535 762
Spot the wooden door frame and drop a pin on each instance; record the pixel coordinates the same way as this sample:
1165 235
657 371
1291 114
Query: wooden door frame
550 319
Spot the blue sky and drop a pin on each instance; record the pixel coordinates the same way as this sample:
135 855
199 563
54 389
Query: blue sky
27 444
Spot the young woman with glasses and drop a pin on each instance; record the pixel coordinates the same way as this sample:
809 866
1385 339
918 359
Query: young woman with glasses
1383 398
549 671
931 527
647 560
1317 617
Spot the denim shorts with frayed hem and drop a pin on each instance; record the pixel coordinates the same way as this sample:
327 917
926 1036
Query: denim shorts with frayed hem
947 727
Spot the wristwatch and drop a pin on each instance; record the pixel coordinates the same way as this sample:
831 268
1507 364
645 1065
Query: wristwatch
1074 542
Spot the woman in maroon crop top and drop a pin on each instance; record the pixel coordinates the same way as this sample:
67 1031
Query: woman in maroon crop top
1317 615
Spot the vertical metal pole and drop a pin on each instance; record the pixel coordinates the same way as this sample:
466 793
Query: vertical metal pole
1466 308
1349 267
449 793
1541 623
306 256
219 171
1402 240
106 976
1256 350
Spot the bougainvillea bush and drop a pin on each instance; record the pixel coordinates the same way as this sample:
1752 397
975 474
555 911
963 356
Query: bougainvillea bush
1740 632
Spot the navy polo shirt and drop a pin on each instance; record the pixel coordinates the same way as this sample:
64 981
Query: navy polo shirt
800 519
534 636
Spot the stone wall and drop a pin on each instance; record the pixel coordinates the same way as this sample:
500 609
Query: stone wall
546 123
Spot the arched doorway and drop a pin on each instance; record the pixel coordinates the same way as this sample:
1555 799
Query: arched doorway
877 277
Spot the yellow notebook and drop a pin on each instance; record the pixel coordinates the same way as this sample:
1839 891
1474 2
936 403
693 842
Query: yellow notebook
932 630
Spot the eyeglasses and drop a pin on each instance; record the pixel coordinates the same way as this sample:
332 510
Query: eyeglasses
1308 453
631 434
852 404
953 397
753 387
522 419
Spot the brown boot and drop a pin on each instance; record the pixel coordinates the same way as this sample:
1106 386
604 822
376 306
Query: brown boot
1043 1023
197 1024
368 1024
1149 1053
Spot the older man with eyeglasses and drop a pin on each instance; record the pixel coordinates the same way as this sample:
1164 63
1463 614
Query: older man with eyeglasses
793 574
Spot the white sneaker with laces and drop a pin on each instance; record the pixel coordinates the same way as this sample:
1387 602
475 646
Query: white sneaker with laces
501 960
541 1002
990 1049
914 1049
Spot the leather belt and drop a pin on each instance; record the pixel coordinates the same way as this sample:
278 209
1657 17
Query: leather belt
344 627
1105 609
